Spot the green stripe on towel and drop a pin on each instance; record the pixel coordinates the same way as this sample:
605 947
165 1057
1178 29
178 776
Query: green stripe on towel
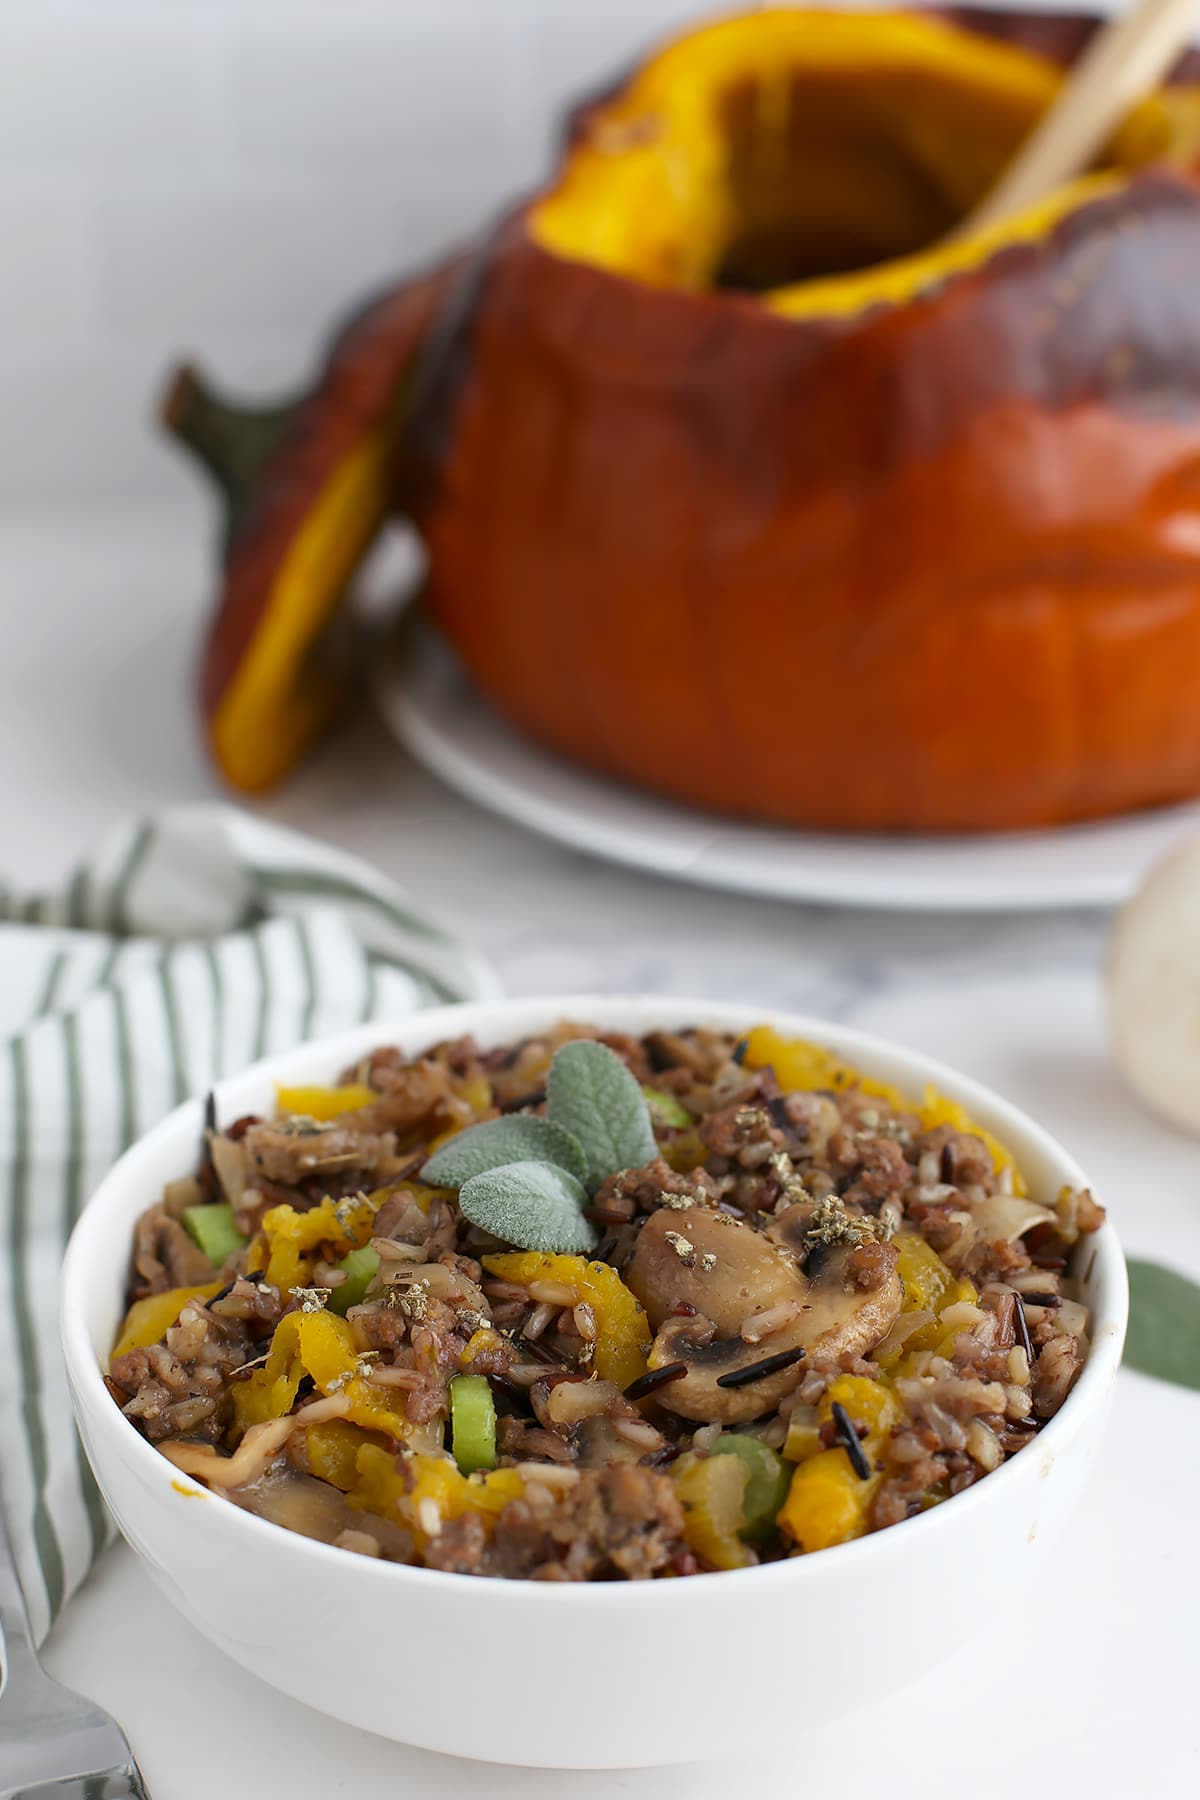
126 1021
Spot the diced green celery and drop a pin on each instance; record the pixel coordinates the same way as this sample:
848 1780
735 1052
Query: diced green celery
665 1109
360 1268
214 1228
472 1423
769 1477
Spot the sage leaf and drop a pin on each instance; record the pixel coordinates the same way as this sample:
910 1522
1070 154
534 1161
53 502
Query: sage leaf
521 1137
591 1094
1164 1324
532 1205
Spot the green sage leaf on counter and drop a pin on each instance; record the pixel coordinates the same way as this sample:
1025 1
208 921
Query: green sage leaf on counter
531 1205
1164 1324
591 1093
521 1137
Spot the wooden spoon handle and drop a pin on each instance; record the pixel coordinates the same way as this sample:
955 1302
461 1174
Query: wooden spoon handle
1122 63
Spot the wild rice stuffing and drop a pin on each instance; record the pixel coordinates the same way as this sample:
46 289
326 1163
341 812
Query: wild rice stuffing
819 1310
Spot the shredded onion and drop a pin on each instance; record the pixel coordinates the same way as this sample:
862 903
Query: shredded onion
182 1193
229 1160
997 1218
393 1250
902 1330
260 1444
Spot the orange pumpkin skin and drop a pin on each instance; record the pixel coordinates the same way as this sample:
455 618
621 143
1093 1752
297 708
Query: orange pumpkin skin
930 565
934 568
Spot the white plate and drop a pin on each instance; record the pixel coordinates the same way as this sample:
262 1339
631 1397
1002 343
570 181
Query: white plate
429 703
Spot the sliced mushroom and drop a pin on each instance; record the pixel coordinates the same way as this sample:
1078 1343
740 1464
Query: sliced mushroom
789 1227
729 1274
998 1218
703 1258
317 1510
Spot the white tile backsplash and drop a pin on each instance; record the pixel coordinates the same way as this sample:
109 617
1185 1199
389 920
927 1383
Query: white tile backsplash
370 99
47 259
93 93
258 253
76 429
226 177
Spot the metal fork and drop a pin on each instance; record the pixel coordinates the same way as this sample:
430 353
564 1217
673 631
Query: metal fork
54 1744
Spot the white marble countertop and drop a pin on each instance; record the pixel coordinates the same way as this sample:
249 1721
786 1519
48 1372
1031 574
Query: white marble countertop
1091 1673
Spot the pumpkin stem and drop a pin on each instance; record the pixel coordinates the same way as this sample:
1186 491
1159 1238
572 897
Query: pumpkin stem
233 443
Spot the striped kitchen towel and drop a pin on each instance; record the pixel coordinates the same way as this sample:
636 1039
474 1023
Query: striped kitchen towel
193 943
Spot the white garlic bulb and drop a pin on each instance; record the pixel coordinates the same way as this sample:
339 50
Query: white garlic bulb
1154 988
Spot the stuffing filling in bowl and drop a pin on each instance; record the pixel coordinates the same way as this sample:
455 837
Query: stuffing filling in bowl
591 1306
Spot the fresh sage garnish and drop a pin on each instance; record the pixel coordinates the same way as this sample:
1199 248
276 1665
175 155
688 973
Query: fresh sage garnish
518 1138
530 1204
525 1178
591 1094
1164 1324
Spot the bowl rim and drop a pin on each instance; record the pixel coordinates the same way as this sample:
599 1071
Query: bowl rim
425 1026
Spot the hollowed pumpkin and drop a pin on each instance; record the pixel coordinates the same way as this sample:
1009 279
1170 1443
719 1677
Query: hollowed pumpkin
745 479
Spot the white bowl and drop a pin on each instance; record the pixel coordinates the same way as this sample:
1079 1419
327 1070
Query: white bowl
604 1675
